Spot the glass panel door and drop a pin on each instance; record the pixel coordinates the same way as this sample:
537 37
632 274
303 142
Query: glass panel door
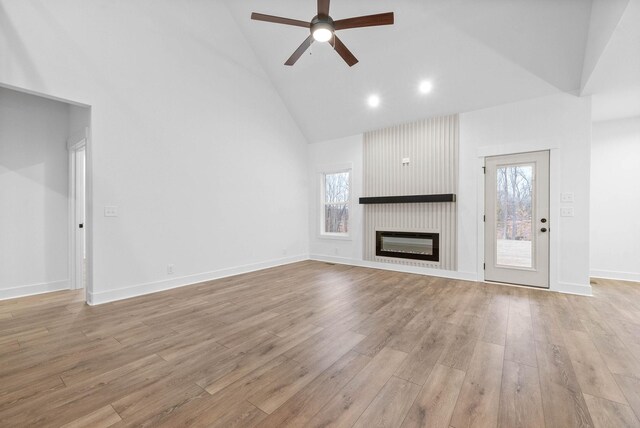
516 223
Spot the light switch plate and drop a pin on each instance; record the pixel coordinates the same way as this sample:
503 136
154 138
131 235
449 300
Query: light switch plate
111 211
566 212
566 197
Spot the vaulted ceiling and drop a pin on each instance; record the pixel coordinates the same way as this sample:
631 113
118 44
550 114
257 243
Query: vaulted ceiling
614 81
476 53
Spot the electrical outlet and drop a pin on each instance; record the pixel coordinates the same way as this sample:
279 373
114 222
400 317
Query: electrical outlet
566 197
566 212
170 269
110 211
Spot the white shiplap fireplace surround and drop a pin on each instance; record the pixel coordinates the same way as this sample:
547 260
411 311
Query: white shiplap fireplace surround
418 158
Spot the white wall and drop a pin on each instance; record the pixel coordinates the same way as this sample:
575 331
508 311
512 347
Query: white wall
33 194
560 123
615 199
79 121
189 138
327 156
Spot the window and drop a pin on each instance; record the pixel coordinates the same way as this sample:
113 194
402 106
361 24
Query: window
335 203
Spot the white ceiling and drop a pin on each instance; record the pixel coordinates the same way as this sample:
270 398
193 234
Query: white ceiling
615 80
477 53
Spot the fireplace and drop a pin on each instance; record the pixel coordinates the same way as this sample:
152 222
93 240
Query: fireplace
408 245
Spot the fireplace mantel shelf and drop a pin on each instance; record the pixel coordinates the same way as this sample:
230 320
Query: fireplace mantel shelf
445 197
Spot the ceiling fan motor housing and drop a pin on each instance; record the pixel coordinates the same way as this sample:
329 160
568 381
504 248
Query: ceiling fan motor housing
321 22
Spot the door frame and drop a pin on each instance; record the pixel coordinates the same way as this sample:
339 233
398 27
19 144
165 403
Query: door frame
554 201
79 141
538 274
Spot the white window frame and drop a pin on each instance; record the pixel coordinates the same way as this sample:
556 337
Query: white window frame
323 173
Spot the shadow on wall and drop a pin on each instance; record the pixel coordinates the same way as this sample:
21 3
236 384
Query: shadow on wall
34 207
33 139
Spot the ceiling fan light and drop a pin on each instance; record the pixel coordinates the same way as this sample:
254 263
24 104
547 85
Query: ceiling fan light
322 32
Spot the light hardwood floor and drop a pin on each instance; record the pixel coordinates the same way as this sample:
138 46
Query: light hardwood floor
314 344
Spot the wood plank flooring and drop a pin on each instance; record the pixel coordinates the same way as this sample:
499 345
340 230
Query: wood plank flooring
315 344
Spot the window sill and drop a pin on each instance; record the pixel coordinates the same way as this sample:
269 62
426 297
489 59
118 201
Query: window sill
336 236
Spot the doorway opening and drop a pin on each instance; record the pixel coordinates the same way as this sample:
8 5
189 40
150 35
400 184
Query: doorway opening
45 186
517 219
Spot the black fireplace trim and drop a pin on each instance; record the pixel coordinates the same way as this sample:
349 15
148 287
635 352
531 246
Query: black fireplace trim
445 197
435 237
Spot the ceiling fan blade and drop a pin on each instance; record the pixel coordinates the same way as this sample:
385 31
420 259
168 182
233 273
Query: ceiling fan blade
298 53
365 21
323 7
279 20
342 50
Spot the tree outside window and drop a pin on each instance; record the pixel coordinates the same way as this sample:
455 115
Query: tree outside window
514 208
335 203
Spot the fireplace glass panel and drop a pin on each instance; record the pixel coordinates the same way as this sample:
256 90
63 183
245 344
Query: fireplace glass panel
408 245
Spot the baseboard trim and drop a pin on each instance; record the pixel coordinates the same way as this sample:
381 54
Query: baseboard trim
450 274
572 288
611 274
100 298
33 289
153 287
568 288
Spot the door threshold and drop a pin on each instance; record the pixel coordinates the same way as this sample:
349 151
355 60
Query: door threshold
535 287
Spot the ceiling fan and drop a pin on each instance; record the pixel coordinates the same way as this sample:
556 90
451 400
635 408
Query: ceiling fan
323 29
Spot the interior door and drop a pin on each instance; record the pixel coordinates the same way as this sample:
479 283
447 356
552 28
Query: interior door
517 219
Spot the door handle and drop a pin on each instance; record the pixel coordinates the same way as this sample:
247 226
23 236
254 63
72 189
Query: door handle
543 220
544 229
81 225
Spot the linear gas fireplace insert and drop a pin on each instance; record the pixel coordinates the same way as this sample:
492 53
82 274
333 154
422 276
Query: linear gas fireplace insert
408 245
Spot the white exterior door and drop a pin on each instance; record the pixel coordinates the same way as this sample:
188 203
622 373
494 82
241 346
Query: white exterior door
517 219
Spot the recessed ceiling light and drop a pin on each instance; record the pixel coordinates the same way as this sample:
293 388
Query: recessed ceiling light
425 87
373 101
